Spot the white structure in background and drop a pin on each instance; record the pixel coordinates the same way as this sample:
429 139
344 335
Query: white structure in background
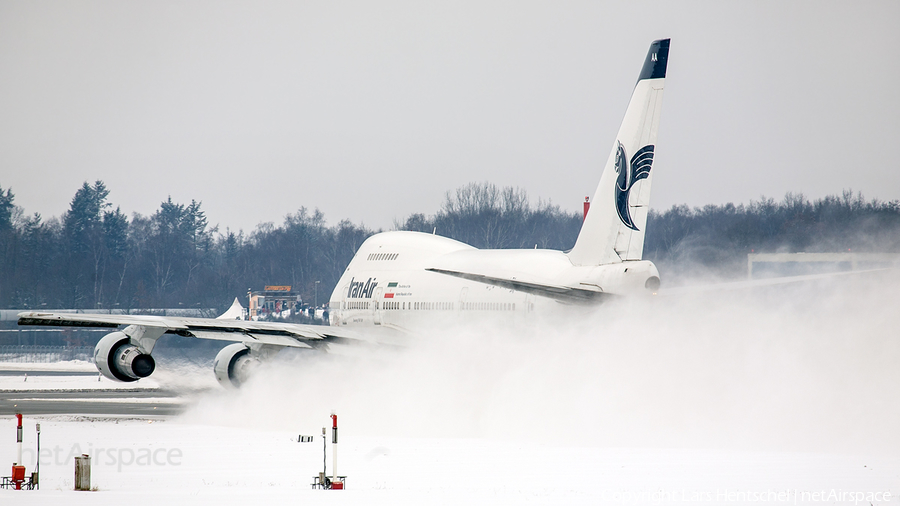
821 262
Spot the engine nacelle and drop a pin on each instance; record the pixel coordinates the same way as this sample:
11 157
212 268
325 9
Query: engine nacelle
119 360
233 365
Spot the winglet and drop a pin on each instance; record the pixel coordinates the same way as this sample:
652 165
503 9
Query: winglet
657 58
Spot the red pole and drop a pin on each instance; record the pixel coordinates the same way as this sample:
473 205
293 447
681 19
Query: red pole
587 207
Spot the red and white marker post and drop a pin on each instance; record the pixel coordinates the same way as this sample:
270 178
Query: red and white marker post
18 470
334 441
19 437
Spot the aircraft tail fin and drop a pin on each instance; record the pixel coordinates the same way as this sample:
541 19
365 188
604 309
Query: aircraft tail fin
613 230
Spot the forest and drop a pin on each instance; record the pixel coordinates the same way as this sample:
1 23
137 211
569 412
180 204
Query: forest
96 256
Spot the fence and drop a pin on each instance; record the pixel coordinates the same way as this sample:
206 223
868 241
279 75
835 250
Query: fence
45 354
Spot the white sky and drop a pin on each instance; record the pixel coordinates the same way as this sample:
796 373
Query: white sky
373 110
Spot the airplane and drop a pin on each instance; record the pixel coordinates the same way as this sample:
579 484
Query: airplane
402 283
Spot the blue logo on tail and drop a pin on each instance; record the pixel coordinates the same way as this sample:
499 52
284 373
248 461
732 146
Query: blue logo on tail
640 169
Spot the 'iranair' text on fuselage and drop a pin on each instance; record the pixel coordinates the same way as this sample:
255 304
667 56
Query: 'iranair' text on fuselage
360 290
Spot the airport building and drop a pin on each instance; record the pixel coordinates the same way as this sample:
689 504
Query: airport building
274 300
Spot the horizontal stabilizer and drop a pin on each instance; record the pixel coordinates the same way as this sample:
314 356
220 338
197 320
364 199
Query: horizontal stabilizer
559 293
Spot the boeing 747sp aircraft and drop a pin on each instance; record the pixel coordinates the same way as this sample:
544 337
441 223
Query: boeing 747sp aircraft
403 283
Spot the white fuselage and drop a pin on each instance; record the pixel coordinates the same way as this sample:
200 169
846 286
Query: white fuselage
387 283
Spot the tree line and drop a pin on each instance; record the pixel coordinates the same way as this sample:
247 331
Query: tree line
717 238
95 256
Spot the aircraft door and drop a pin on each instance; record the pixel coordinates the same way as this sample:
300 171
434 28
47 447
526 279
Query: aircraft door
462 299
378 306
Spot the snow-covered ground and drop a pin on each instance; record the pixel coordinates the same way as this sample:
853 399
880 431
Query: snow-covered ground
177 376
77 366
781 398
37 382
154 461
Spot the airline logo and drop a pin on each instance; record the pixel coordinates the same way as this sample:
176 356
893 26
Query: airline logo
641 163
360 290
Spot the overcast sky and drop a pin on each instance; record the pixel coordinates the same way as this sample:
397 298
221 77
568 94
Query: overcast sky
373 110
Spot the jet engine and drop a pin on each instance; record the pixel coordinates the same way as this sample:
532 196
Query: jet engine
119 360
233 365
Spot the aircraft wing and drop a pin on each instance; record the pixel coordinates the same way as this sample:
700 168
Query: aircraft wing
559 293
279 334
